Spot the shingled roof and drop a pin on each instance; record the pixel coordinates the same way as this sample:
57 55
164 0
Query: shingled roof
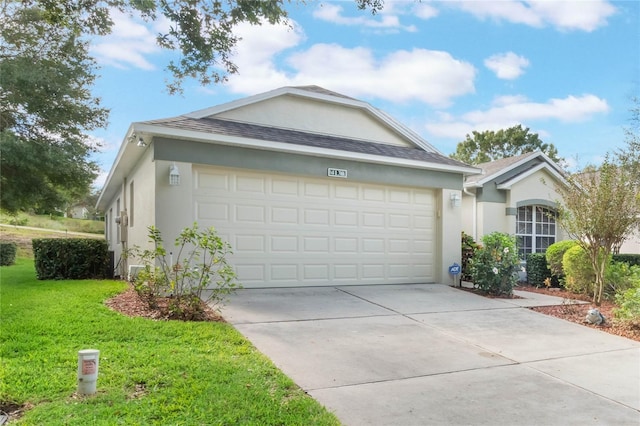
215 126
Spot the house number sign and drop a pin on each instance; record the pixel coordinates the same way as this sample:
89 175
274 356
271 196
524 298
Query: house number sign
341 173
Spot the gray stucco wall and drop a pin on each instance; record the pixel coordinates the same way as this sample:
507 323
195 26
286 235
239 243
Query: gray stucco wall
229 156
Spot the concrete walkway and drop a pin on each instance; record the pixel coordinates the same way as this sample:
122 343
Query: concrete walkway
435 355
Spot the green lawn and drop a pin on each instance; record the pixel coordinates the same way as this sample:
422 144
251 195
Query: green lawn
151 372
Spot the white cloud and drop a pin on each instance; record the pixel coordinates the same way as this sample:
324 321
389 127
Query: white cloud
507 66
510 111
561 14
384 20
266 60
425 11
129 45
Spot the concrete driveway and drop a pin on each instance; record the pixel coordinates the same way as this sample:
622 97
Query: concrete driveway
435 355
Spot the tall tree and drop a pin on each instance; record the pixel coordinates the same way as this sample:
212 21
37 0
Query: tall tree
482 147
599 209
45 107
47 73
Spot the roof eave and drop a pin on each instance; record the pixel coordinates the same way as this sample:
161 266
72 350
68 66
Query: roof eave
238 141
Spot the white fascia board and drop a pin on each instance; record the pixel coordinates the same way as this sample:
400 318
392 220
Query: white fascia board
115 166
490 177
298 149
508 184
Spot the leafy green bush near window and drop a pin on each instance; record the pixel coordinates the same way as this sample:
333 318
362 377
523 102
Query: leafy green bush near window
554 255
494 265
537 270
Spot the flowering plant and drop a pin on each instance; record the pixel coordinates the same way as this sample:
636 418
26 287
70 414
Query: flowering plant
494 265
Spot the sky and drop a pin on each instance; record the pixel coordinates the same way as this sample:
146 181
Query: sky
567 70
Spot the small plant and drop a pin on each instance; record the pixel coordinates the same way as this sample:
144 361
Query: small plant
201 272
495 264
629 306
570 307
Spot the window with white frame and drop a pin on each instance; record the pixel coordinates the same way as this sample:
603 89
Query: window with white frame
535 229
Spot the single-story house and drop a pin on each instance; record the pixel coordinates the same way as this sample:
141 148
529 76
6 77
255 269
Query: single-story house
78 211
310 188
517 195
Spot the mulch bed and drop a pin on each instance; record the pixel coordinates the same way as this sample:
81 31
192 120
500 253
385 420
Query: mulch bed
130 304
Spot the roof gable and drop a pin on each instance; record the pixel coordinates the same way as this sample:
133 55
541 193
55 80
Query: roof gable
507 171
317 110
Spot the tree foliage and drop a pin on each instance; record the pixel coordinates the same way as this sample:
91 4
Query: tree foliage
47 74
599 209
482 147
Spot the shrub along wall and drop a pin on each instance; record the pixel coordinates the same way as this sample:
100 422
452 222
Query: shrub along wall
7 253
537 270
631 259
70 258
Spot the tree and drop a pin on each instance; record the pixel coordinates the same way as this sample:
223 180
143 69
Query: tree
489 145
47 73
598 209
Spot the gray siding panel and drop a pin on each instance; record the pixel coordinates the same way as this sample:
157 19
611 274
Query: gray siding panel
229 156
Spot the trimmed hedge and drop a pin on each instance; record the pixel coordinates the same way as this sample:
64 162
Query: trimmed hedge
70 258
537 270
631 259
8 253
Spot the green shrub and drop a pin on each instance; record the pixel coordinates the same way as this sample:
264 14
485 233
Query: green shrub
494 265
201 264
631 259
70 258
8 253
554 255
629 305
469 247
537 270
579 276
620 277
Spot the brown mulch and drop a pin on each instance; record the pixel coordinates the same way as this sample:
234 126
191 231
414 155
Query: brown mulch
576 313
130 304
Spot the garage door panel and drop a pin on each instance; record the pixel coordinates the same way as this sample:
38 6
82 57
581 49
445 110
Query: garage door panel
294 230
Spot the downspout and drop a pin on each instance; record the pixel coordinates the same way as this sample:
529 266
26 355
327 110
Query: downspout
475 212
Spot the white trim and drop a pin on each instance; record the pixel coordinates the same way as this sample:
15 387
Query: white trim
508 184
553 168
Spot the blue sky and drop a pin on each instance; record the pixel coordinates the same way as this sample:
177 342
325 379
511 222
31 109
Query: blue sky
565 69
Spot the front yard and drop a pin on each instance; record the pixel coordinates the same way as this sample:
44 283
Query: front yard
150 372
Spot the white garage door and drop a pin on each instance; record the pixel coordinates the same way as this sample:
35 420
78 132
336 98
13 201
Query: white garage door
299 231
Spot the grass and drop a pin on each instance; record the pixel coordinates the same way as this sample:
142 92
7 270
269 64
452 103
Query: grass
150 372
53 222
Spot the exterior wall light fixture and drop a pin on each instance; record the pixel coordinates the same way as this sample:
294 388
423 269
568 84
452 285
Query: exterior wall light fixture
174 175
456 200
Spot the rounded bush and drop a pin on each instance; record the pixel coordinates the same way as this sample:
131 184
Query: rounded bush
579 276
554 255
